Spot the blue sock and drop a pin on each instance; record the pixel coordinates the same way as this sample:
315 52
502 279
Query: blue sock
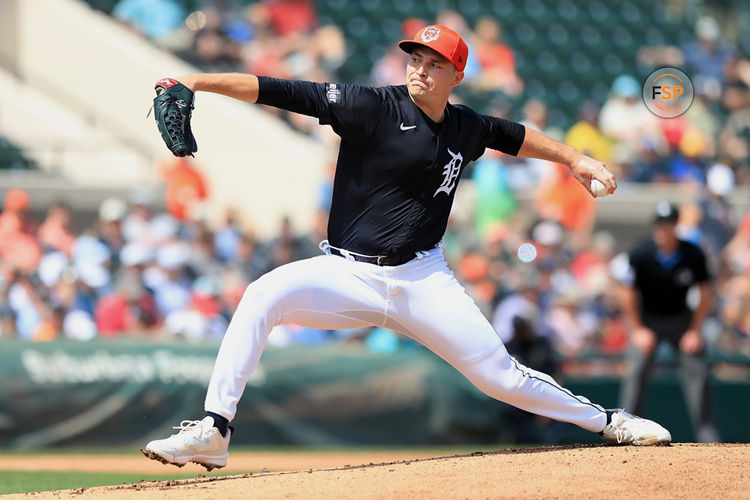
609 419
220 422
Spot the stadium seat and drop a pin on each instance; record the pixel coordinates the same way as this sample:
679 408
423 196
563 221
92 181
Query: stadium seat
536 89
557 117
522 64
357 27
653 37
12 157
404 8
568 91
471 9
559 37
583 68
433 8
390 27
333 4
600 13
538 11
504 10
104 5
566 51
613 65
372 7
568 11
525 34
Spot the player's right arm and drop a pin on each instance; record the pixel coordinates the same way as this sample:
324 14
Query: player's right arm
583 167
237 85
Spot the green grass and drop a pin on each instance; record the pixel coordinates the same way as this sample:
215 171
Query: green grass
28 481
440 449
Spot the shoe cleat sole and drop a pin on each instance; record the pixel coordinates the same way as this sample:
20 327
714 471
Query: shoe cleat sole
154 456
209 467
653 441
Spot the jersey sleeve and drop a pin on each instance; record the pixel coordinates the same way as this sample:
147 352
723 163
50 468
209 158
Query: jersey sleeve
622 270
351 110
633 274
501 134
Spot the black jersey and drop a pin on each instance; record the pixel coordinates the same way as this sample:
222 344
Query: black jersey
664 283
397 169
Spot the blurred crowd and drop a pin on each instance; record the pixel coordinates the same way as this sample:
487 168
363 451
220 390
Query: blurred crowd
284 38
150 273
137 271
534 263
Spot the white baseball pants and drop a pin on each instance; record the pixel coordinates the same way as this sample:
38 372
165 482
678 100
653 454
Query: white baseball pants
420 299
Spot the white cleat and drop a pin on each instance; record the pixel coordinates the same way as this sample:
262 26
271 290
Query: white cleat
198 441
629 429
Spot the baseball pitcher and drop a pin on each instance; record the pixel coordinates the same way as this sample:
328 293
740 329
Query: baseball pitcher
402 152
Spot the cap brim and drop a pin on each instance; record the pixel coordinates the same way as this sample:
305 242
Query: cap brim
409 45
665 220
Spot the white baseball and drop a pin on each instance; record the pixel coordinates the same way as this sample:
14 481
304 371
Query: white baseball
598 188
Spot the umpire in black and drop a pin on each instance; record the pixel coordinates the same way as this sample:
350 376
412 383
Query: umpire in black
653 300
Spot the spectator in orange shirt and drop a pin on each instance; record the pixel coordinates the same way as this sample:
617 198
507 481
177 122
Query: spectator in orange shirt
497 59
18 230
185 188
289 17
15 217
562 198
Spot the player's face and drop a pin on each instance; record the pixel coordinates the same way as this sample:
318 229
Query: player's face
429 73
665 236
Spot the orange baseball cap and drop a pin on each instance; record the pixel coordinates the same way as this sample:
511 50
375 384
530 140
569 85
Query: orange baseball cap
442 40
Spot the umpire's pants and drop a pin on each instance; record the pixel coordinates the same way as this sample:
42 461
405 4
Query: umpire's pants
693 371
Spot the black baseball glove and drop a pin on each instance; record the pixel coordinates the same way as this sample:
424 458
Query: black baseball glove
173 106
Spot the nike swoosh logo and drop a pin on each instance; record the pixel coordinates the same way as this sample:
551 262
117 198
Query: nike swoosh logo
407 128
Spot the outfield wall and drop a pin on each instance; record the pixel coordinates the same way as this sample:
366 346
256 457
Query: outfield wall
113 393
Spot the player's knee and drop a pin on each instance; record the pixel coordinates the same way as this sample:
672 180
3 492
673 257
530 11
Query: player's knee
495 375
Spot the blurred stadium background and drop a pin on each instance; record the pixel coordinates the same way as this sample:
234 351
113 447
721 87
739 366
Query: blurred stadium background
120 265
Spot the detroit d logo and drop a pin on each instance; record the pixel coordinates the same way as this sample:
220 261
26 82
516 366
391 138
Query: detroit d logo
450 173
430 34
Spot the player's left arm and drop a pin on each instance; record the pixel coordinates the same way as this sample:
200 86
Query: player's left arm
583 168
237 85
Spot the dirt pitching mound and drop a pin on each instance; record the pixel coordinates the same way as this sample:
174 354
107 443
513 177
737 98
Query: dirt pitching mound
677 471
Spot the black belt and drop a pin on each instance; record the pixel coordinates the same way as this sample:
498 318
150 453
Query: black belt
380 260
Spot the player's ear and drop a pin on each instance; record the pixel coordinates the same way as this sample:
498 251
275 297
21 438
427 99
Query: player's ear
458 77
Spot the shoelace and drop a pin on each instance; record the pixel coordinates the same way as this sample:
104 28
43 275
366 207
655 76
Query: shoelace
188 425
622 434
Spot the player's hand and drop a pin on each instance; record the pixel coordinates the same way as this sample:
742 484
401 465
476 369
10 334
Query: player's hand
187 81
585 168
644 339
691 342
